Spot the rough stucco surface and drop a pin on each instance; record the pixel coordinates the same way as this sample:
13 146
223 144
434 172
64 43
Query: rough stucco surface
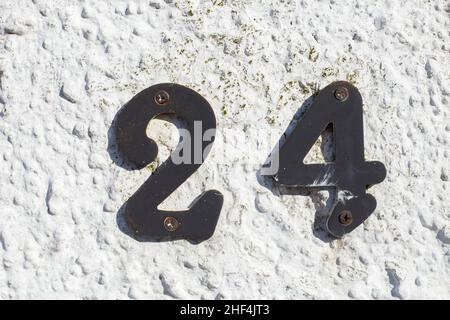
67 67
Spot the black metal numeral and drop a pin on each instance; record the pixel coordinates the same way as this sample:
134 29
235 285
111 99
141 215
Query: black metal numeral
339 103
198 222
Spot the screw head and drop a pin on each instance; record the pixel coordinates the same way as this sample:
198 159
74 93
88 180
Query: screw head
162 97
341 94
171 224
345 218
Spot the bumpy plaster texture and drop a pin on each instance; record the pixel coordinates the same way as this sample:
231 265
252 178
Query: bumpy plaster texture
67 67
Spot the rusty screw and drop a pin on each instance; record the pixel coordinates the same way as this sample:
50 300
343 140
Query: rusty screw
341 94
171 224
346 218
162 98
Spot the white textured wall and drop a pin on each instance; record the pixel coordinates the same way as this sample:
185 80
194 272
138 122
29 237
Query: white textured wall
66 68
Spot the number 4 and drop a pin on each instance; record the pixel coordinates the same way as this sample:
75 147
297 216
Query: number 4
339 103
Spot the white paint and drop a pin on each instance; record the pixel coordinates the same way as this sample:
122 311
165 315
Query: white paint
325 179
344 195
67 67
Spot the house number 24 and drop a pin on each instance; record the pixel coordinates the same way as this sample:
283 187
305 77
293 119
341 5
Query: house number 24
339 104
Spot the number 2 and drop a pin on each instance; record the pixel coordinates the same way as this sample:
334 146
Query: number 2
198 222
